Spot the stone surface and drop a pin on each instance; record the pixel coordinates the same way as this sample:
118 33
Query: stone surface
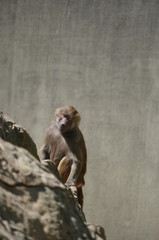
14 133
34 204
51 167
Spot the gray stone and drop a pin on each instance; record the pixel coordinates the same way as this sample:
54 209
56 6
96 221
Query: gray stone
34 204
14 133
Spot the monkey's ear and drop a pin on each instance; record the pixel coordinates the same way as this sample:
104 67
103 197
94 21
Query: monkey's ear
75 114
73 111
78 118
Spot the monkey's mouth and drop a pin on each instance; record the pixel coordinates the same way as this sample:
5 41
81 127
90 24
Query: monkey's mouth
63 128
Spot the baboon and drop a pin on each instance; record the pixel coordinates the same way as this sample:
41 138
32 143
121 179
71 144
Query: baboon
65 146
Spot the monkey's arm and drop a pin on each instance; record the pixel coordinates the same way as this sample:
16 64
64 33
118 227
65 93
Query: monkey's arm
79 162
44 153
74 173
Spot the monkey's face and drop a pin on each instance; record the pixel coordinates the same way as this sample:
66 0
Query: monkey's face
67 118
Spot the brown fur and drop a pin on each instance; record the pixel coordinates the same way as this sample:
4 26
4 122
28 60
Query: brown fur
65 146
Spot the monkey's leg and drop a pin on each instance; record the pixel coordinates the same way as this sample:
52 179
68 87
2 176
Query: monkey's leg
80 196
64 168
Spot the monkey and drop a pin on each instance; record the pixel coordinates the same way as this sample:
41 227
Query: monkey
64 145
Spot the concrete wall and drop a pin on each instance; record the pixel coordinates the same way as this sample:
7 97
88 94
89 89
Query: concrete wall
102 57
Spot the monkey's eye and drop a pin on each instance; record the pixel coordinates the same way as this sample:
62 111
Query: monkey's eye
68 117
65 116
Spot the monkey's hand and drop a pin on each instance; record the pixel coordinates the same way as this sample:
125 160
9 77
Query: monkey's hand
74 192
70 184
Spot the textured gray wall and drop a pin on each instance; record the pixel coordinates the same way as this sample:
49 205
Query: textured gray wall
103 57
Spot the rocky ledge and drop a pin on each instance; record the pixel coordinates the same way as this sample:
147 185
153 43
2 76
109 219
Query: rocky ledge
34 204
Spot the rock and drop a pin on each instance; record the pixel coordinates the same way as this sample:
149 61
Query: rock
51 167
97 232
34 204
15 134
